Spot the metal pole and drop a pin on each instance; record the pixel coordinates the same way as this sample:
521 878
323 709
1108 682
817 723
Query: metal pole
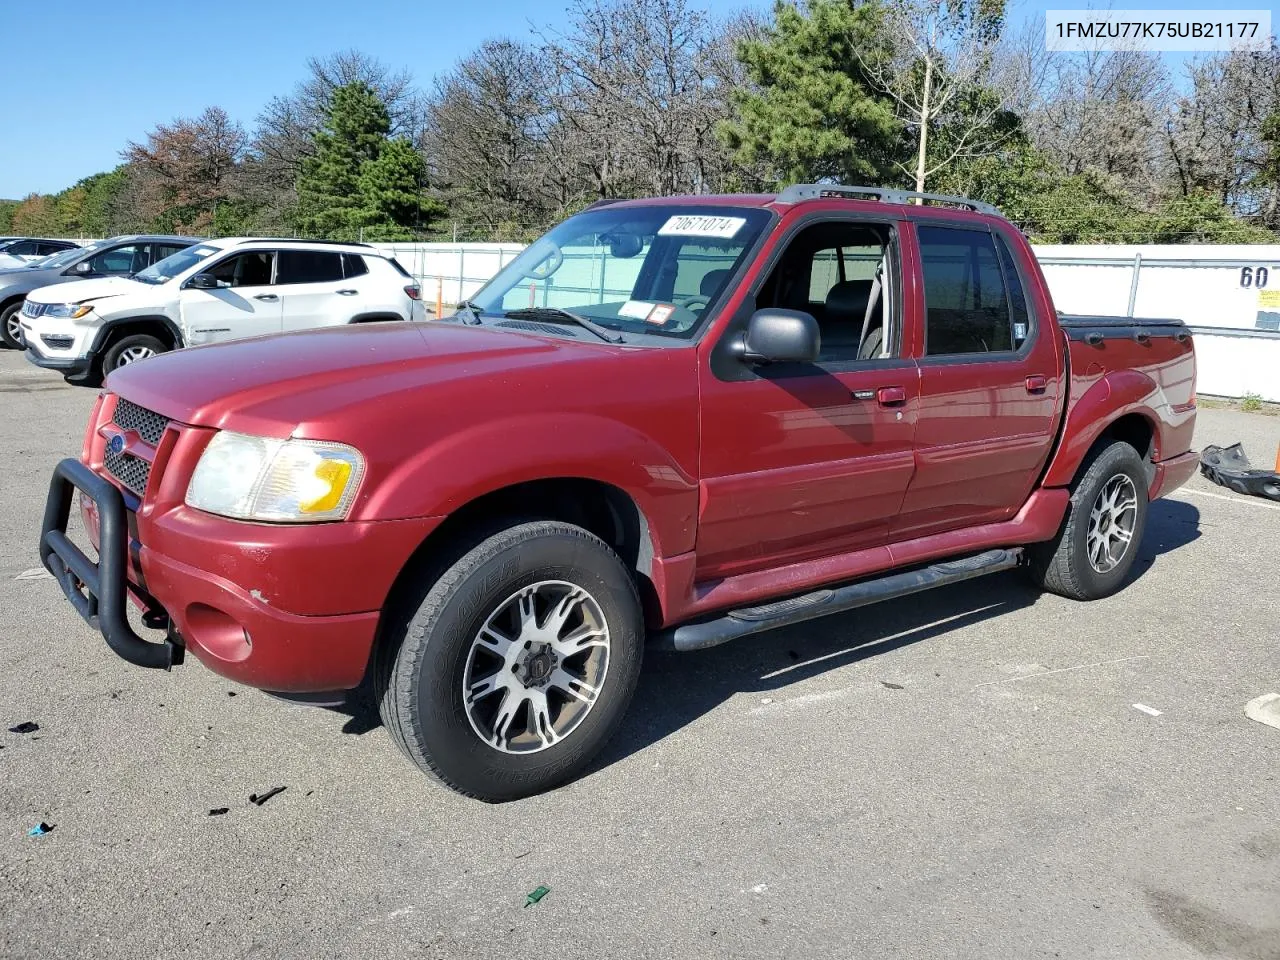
462 259
1133 284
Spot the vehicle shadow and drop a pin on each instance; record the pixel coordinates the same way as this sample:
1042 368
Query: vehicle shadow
677 688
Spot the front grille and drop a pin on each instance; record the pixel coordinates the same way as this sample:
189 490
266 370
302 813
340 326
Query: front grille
130 470
148 425
133 471
58 341
30 309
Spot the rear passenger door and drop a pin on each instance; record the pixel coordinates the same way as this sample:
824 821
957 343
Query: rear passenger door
989 383
311 288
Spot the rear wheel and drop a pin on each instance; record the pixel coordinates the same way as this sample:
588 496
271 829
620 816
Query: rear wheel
1096 547
11 326
133 348
504 677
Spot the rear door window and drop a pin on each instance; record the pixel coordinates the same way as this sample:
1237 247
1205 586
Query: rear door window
966 303
308 266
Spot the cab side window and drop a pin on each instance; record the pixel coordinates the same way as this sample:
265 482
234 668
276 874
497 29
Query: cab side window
839 272
252 269
967 306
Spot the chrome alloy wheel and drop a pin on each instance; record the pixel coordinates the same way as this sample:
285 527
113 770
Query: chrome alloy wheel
536 667
13 326
134 354
1111 522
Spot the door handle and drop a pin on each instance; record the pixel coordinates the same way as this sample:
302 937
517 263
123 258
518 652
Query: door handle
891 396
348 293
266 297
1037 384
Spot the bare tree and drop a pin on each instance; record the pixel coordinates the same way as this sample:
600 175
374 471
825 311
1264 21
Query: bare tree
1104 111
1215 136
490 130
940 57
639 90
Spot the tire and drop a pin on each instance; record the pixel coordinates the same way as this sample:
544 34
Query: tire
431 660
1079 566
10 333
130 349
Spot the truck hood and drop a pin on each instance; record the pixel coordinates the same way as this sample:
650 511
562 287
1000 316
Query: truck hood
94 289
295 383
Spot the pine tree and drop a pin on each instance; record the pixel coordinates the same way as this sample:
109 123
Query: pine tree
810 112
391 193
359 181
329 202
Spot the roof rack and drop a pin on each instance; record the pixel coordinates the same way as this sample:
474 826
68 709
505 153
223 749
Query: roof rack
335 243
815 191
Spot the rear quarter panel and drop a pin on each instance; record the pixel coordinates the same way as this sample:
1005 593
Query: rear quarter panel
1120 376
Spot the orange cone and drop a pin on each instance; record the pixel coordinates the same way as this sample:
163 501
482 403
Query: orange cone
1278 458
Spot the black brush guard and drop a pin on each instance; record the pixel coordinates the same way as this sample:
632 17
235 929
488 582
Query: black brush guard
99 591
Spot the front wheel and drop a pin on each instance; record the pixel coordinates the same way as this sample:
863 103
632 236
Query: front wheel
11 326
506 676
131 349
1094 550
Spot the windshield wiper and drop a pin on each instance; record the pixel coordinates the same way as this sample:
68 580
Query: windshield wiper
472 308
555 313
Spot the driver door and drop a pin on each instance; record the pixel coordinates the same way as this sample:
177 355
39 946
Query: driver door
246 302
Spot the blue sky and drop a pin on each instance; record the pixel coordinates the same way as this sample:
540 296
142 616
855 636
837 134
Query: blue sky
94 76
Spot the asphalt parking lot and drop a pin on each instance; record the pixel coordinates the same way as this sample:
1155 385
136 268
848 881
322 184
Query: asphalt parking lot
959 774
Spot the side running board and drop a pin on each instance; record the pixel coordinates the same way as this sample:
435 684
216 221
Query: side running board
748 620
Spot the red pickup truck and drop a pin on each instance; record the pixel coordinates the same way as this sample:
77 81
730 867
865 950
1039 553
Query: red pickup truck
682 419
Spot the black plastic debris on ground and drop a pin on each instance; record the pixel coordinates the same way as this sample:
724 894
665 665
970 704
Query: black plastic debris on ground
892 686
40 829
261 798
219 811
27 727
1229 467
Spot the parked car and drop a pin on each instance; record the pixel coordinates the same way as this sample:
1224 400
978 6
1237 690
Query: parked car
719 415
213 291
116 257
16 251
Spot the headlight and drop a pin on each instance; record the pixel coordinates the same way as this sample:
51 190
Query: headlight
72 310
292 481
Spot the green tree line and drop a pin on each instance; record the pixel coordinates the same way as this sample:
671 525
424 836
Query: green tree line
643 97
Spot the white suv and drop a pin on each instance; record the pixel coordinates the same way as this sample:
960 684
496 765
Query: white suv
213 291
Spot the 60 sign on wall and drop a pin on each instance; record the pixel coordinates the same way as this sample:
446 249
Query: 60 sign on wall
1254 277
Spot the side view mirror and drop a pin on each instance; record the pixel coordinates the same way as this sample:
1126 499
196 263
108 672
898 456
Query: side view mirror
781 336
84 266
203 281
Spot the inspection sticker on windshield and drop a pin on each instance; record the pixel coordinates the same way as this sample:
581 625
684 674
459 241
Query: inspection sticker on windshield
635 309
685 225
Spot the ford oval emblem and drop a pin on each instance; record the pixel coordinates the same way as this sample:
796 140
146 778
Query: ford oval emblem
116 444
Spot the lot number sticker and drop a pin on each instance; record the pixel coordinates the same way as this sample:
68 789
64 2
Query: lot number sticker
685 225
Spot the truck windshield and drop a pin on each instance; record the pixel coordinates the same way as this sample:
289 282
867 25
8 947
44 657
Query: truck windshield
639 269
171 266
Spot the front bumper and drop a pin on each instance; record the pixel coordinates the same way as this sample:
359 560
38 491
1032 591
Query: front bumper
238 631
72 366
